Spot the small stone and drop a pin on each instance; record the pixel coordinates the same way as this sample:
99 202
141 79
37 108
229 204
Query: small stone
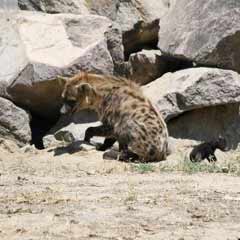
225 170
65 136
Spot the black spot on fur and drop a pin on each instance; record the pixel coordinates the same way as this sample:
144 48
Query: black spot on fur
141 127
134 106
149 117
134 115
152 151
154 132
142 135
144 138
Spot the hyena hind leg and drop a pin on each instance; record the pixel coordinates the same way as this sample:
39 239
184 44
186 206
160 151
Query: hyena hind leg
126 154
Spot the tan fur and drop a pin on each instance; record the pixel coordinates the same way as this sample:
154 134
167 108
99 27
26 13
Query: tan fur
121 104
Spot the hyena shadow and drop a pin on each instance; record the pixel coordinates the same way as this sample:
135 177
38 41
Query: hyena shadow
71 148
74 147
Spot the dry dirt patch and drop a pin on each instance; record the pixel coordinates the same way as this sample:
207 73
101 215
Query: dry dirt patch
81 196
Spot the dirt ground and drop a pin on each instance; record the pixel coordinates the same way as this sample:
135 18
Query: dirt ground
81 196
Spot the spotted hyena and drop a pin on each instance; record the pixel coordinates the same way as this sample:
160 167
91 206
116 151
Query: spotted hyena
127 116
206 150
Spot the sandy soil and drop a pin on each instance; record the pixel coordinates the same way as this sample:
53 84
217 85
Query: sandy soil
82 196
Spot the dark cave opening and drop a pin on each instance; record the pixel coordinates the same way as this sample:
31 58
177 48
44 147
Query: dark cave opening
151 45
142 36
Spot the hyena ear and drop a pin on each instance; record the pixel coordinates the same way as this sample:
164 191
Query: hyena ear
86 89
62 80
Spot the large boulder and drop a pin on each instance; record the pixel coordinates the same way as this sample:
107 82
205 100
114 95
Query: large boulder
9 4
126 13
37 47
206 124
115 47
199 103
107 8
138 19
12 54
186 90
206 32
148 65
132 11
14 123
54 6
142 35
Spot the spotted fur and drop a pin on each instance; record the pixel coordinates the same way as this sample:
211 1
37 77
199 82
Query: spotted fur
126 115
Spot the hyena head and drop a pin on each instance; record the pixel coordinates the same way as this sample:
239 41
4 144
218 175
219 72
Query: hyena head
88 98
69 95
78 95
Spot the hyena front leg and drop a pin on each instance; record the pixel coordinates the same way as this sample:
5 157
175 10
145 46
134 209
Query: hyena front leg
212 158
100 131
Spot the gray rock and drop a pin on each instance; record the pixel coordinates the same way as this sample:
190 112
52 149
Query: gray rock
205 31
137 19
107 8
9 146
64 135
154 9
54 6
199 103
71 129
50 141
186 90
146 66
127 13
115 47
14 123
12 54
131 16
29 149
9 5
132 11
143 35
47 46
206 124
